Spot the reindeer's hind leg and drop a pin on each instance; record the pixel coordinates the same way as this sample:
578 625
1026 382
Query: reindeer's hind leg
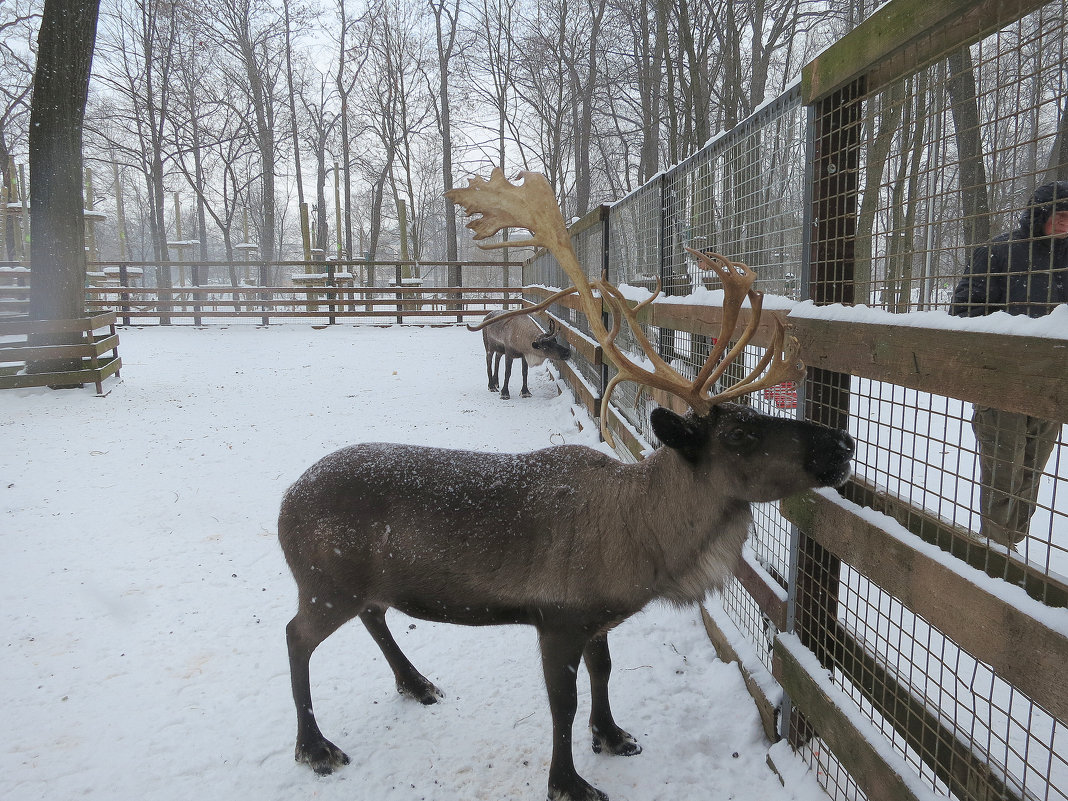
493 368
561 651
410 681
313 623
508 357
607 736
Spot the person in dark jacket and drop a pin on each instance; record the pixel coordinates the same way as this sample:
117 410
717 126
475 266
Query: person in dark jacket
1022 272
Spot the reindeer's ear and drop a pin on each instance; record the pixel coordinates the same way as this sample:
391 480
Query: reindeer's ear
675 430
684 434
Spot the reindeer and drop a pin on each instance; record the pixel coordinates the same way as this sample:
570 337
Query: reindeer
565 539
514 337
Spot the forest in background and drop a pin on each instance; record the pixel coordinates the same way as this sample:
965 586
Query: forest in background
217 121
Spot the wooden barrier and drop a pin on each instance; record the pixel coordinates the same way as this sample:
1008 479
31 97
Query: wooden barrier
97 353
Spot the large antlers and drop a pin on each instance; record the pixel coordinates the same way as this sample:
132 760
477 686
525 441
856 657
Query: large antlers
532 205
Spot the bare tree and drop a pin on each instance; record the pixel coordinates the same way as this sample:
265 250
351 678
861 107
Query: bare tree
541 81
304 234
397 110
446 20
213 147
351 60
321 122
583 70
975 197
254 37
137 50
18 19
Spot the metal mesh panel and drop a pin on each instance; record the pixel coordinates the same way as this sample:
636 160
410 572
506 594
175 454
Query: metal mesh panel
951 155
544 270
746 614
741 196
926 695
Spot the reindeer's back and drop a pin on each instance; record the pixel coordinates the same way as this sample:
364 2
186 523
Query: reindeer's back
383 509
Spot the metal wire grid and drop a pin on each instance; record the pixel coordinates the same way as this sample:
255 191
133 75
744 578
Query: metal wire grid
634 252
746 614
937 181
741 196
921 447
543 269
907 441
934 702
829 772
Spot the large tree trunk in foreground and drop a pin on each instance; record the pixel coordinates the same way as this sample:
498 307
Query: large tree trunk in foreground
61 84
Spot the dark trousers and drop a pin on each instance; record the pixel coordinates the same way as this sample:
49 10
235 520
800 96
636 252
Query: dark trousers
1013 451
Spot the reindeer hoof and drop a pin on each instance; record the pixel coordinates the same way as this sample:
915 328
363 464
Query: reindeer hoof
577 789
616 743
525 394
421 690
505 395
323 756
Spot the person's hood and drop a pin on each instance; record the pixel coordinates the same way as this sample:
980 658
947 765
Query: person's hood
1047 199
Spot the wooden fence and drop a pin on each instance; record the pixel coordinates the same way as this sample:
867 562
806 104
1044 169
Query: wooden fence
327 297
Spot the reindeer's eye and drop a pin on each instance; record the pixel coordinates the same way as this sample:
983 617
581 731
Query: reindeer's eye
741 436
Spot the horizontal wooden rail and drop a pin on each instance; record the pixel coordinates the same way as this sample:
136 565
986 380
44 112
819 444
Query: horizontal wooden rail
1017 373
224 289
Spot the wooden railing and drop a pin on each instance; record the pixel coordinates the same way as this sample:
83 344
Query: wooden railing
197 305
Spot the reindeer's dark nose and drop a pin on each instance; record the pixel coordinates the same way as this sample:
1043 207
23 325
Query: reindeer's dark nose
829 455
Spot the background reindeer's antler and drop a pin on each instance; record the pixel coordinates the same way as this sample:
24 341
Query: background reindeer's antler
532 205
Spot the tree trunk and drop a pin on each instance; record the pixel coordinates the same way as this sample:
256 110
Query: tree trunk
974 196
1057 167
293 122
446 40
61 84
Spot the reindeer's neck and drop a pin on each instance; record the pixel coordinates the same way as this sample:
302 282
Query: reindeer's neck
694 531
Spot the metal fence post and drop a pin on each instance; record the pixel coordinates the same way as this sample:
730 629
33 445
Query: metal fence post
831 185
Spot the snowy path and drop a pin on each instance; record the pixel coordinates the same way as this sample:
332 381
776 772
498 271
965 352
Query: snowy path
143 595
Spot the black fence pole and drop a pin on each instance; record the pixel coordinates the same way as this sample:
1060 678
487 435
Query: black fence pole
124 283
833 169
197 320
264 296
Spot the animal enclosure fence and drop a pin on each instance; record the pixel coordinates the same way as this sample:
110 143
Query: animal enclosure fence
918 658
191 292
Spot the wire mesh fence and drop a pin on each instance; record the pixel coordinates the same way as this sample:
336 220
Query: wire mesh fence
891 197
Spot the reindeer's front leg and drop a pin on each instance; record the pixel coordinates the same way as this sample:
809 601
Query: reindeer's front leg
561 652
524 393
607 736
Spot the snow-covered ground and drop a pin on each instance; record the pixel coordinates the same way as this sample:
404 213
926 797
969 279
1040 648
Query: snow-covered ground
143 595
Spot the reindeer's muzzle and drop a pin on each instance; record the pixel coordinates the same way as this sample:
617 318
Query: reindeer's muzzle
830 456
